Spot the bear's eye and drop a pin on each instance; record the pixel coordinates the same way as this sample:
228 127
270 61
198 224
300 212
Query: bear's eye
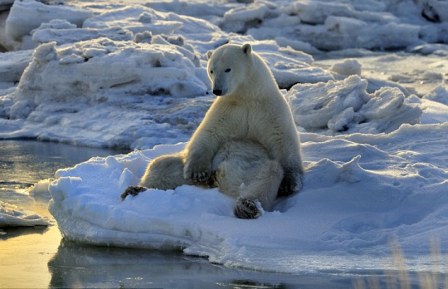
227 70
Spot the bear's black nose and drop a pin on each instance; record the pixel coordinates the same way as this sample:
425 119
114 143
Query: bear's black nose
217 91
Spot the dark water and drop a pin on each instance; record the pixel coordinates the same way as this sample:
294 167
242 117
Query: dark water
40 258
23 163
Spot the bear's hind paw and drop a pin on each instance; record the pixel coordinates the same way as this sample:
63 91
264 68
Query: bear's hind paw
247 209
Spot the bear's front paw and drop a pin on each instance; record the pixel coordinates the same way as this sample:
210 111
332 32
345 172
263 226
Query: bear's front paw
246 209
202 176
133 191
198 171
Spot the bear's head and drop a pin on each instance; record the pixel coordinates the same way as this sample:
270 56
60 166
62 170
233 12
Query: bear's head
228 68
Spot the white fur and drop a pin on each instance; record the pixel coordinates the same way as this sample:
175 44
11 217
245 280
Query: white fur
248 137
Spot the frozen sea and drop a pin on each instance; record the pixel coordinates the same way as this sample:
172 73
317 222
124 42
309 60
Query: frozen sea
106 86
49 261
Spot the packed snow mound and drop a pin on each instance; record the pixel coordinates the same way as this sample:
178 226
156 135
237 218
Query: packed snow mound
438 94
139 19
63 32
197 36
26 15
96 70
319 24
347 67
346 106
359 191
149 64
288 65
157 82
330 25
12 216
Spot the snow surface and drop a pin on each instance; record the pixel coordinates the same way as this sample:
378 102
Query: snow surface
148 63
360 191
374 125
346 106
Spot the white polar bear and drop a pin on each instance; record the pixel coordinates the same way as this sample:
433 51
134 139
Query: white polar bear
247 143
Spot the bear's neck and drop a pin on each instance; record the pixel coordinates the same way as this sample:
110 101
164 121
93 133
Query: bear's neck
261 82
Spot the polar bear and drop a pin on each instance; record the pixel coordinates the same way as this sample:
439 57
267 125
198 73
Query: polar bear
246 145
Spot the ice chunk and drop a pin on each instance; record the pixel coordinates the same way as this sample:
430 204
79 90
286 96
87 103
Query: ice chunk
338 25
317 12
290 66
391 35
388 109
40 190
12 216
63 35
84 70
297 45
314 105
241 18
347 106
439 94
347 68
27 15
135 19
426 49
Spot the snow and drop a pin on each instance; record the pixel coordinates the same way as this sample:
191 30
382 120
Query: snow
26 15
347 68
96 65
350 202
439 94
329 25
346 106
373 124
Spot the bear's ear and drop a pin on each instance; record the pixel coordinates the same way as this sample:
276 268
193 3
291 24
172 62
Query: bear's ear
209 54
247 49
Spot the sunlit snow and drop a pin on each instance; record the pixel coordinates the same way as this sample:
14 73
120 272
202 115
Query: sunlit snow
373 125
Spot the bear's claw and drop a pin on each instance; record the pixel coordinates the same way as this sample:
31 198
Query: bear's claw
200 177
203 176
197 167
246 209
133 191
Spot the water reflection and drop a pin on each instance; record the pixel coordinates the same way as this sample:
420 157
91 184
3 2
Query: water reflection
8 233
81 266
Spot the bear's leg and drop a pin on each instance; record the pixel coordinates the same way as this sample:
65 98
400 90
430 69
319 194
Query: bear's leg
228 177
164 173
249 183
263 184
